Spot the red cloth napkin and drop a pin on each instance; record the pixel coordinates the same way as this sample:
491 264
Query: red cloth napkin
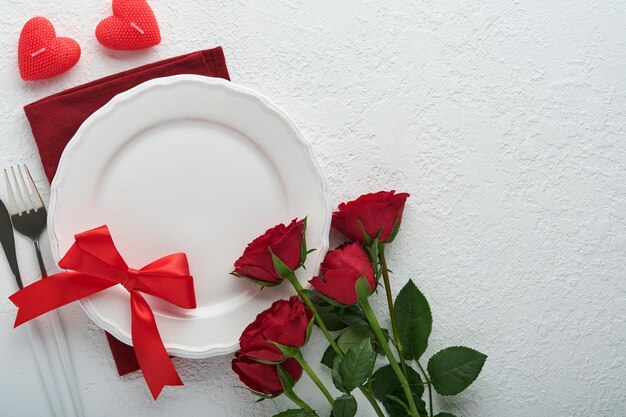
55 119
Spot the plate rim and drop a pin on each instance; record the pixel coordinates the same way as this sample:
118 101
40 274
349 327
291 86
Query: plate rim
178 350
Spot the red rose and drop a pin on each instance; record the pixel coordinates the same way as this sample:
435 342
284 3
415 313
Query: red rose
376 211
285 241
261 377
340 271
285 322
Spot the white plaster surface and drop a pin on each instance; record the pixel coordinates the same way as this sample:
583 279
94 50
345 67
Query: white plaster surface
503 119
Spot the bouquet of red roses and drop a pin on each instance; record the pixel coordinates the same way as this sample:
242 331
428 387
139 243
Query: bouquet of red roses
270 362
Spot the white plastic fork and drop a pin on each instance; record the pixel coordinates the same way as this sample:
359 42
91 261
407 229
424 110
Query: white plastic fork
28 215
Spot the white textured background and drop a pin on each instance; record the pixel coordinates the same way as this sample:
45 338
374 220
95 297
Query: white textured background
503 119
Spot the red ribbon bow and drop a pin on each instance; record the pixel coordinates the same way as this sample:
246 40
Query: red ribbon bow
96 265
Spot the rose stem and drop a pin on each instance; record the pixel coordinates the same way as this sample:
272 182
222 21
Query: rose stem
394 324
392 312
303 363
430 387
371 318
298 401
370 397
296 284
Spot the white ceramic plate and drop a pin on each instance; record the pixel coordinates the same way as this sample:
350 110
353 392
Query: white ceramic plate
189 164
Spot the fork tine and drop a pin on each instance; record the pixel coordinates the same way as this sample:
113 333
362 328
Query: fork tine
12 203
21 206
35 196
26 198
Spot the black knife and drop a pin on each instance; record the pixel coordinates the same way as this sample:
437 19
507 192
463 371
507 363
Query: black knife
8 242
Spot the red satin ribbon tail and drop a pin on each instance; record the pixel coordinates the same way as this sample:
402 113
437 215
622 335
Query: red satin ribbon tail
156 365
54 292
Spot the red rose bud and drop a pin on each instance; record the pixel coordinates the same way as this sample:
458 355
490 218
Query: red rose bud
340 271
263 378
286 242
285 322
371 213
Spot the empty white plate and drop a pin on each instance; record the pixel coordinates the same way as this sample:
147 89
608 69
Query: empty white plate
197 165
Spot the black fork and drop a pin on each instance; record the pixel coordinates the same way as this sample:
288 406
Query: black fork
28 213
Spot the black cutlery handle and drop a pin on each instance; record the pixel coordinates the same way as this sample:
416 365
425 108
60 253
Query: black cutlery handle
8 242
42 267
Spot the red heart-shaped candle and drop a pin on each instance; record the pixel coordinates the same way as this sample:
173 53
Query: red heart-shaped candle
40 54
132 26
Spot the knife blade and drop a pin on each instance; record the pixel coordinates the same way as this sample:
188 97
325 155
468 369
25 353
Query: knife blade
8 242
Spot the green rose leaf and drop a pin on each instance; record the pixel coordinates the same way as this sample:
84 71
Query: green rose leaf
329 356
455 368
388 389
397 408
337 376
385 382
352 336
414 321
344 406
330 316
295 413
352 317
357 365
444 415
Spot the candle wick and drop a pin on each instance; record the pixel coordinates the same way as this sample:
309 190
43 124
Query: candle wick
137 28
34 54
